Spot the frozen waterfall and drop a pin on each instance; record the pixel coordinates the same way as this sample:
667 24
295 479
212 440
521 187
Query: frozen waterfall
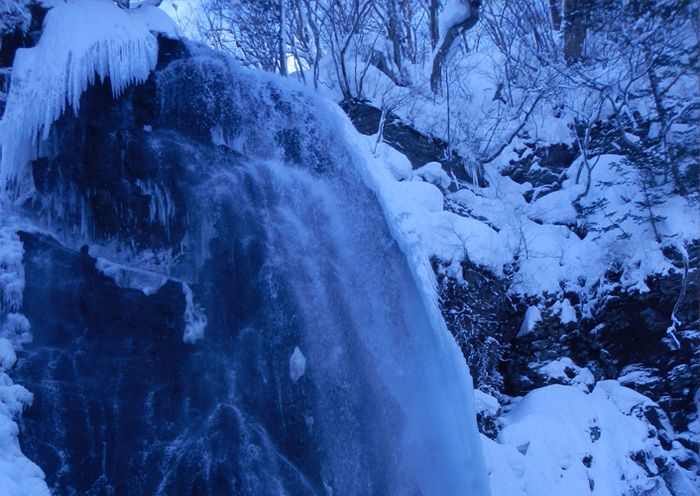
324 367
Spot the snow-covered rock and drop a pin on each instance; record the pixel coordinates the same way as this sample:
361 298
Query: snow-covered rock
532 318
574 443
433 173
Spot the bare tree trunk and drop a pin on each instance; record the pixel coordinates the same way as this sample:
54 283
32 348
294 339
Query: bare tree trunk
393 25
434 26
452 33
555 9
283 38
317 40
395 31
576 13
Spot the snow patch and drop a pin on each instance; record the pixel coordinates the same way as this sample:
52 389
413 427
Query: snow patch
455 12
566 312
424 194
131 277
572 442
397 162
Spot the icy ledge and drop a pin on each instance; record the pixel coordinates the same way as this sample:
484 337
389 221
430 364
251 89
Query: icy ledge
80 39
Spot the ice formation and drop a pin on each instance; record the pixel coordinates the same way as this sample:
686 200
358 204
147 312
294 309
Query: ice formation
297 365
18 475
80 40
195 318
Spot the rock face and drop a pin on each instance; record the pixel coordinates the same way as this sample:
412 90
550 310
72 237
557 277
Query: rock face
123 405
118 178
102 356
624 337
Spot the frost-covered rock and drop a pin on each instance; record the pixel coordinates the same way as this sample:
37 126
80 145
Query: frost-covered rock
566 312
564 371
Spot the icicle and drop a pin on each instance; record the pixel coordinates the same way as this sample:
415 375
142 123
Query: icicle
80 39
11 272
161 208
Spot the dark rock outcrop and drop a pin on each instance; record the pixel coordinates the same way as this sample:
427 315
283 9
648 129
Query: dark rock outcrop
418 148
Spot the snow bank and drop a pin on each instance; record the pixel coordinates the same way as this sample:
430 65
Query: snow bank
432 172
398 163
81 39
505 466
545 234
551 255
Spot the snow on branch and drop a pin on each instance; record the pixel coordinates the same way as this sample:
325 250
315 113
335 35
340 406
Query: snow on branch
459 16
80 39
